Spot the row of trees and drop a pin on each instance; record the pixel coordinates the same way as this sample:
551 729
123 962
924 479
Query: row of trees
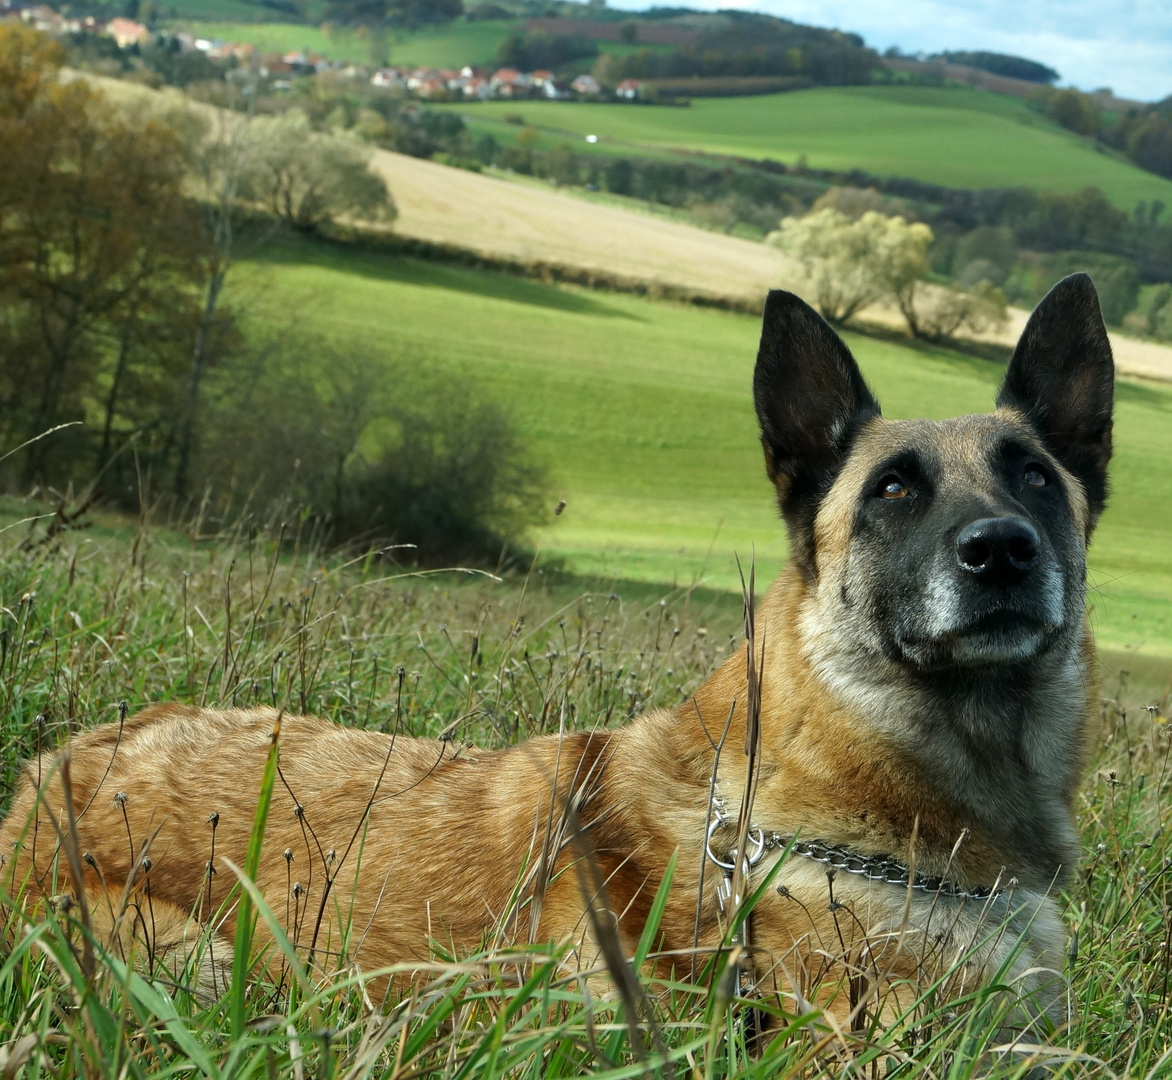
743 44
1143 133
127 361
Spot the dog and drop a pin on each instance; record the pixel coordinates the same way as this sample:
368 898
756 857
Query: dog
889 764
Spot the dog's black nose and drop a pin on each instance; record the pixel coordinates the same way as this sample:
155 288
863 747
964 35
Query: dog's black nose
998 551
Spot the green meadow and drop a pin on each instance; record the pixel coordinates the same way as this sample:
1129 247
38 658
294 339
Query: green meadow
642 411
456 45
953 136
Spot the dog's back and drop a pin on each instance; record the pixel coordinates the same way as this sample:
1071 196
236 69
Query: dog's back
378 848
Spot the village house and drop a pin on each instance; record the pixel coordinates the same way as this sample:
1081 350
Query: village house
586 86
511 83
629 89
43 18
388 78
127 32
476 86
435 87
419 76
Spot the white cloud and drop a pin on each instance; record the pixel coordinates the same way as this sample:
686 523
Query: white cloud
1126 45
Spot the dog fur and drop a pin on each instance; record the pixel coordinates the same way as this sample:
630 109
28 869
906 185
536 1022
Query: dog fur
906 709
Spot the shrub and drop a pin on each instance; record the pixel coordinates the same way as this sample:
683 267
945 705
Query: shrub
1152 317
376 447
993 245
620 176
455 482
1116 278
944 310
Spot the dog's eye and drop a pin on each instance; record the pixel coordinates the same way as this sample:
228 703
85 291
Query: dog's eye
1035 477
892 487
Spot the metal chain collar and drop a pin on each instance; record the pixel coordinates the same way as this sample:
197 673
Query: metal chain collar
881 868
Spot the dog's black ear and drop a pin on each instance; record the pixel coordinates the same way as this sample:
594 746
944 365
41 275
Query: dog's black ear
1063 378
811 400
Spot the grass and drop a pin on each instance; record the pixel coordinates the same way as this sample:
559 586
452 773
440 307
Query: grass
957 137
146 613
461 43
643 411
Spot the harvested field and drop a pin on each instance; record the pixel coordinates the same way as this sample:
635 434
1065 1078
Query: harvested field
490 215
495 217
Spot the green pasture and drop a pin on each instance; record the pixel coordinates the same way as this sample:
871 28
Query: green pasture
284 37
456 45
958 137
643 412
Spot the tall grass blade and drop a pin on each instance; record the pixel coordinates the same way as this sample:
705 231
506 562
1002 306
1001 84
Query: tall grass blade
245 916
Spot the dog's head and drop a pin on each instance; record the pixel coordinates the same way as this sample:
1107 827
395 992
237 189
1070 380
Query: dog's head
942 543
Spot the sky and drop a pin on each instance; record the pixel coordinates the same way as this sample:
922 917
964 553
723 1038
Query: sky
1123 44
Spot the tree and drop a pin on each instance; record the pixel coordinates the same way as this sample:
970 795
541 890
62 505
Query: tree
851 264
537 49
1074 111
218 150
307 179
1015 67
561 165
838 257
899 252
942 310
96 236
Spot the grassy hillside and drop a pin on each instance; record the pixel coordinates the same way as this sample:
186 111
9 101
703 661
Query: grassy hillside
453 46
643 411
139 615
957 137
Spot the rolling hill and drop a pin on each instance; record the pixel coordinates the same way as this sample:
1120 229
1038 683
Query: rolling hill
957 137
452 46
643 411
524 219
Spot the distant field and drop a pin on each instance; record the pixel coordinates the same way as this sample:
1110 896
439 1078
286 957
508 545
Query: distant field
956 137
530 221
461 43
643 410
283 37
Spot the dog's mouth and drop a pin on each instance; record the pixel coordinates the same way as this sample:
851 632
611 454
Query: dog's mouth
996 637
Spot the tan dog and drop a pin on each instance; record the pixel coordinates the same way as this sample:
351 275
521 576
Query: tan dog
925 683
